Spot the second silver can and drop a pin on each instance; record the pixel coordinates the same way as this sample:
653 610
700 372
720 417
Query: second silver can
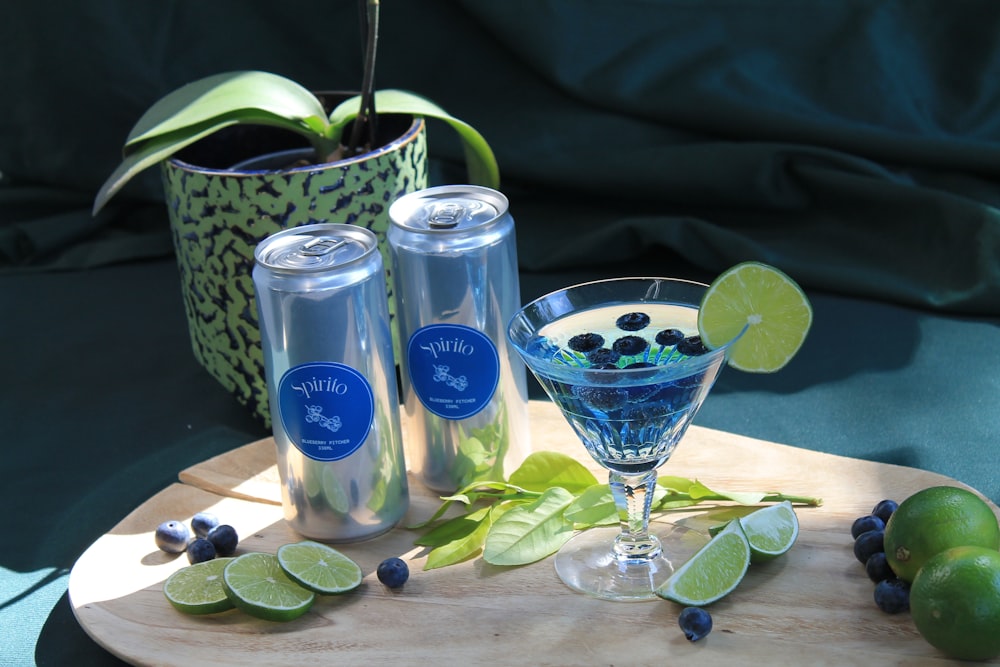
454 271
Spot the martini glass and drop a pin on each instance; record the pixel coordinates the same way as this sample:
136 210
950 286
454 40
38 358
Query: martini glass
623 361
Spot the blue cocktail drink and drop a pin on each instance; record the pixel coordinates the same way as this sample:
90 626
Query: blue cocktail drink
623 361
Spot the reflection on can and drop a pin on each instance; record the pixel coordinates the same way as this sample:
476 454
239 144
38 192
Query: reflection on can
331 381
454 268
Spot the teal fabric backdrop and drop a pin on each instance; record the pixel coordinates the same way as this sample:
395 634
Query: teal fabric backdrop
853 143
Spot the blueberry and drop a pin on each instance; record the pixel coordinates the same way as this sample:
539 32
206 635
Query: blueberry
692 346
877 567
669 337
892 595
884 509
602 398
393 572
585 342
695 622
603 356
632 321
203 522
224 539
630 345
200 550
172 537
869 543
865 523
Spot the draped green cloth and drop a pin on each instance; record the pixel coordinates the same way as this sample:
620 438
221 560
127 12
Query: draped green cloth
855 144
852 143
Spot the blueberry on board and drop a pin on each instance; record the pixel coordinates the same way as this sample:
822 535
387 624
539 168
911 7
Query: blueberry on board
630 345
692 346
172 537
200 550
869 543
669 337
865 523
393 572
632 321
877 567
695 622
603 356
585 342
224 539
884 509
203 522
892 595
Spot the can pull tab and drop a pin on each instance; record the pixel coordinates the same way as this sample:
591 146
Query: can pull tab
446 215
321 245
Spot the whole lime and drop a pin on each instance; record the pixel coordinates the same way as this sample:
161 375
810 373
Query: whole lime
955 602
935 519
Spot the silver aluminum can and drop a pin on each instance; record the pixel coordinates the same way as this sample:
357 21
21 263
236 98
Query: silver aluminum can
331 380
454 269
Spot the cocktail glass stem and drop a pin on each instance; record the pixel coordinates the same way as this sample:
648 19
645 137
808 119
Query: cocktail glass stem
633 496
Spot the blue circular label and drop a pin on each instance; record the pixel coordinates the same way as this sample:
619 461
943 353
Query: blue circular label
454 369
327 409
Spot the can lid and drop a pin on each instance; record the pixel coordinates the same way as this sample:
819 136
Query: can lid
448 207
315 247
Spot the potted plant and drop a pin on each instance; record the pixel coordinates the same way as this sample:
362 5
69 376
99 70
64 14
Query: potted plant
245 154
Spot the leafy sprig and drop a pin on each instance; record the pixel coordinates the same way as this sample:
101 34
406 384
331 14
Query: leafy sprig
541 505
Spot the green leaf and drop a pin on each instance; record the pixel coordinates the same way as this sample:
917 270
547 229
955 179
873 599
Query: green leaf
144 154
528 533
699 491
468 545
479 159
542 470
220 95
680 484
596 506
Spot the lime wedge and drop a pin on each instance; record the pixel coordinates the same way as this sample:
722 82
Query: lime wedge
768 304
771 531
713 572
319 568
257 585
198 589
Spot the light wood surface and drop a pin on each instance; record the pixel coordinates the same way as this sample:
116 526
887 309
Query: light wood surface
811 606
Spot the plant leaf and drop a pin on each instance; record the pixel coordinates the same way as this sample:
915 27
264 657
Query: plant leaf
699 491
681 484
596 507
466 546
528 533
144 154
480 162
223 94
541 470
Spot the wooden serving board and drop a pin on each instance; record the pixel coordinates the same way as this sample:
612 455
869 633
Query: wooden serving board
813 605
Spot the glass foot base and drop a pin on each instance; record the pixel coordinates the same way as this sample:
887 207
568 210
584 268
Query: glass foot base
587 563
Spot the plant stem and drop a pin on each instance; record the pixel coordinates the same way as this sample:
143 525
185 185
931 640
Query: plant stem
366 111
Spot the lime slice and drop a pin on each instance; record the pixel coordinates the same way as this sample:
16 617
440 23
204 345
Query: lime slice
198 589
257 585
771 531
319 568
713 572
768 304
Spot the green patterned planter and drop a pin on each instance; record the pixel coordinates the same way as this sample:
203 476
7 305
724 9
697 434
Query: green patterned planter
218 216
